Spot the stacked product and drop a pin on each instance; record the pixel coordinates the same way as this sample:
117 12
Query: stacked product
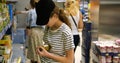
4 15
109 51
6 47
5 40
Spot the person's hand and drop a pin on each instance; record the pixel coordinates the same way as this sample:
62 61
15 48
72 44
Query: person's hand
28 31
20 12
41 51
17 12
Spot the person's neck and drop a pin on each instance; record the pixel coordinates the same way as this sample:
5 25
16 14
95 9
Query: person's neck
57 25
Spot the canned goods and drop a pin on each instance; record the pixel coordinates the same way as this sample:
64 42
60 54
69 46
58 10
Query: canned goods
102 48
109 48
115 59
116 49
108 59
102 59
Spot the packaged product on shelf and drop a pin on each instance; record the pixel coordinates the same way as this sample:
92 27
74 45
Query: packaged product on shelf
109 51
115 59
2 50
109 48
47 47
6 43
1 21
116 49
1 59
102 59
108 59
119 59
2 42
10 8
1 24
7 37
102 48
98 44
7 57
117 42
4 16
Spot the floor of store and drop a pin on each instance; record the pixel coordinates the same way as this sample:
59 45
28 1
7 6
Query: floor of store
18 46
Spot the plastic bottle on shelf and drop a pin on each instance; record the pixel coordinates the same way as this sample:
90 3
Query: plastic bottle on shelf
115 59
102 48
108 59
102 59
109 48
116 49
117 42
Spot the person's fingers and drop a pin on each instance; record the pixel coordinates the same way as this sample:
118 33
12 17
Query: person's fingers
39 49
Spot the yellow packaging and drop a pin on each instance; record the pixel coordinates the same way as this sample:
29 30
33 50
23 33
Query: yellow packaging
6 43
47 47
2 42
7 37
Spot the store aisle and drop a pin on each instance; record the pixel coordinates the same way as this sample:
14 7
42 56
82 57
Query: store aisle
19 36
18 53
18 46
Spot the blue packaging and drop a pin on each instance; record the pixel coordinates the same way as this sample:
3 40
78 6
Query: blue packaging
10 11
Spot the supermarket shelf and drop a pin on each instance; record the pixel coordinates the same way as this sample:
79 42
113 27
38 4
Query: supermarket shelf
5 29
107 53
110 54
10 59
95 54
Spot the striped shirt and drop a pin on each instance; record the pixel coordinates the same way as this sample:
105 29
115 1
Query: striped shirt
60 41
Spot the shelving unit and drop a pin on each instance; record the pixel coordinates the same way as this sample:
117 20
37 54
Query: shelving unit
10 59
4 30
105 56
6 21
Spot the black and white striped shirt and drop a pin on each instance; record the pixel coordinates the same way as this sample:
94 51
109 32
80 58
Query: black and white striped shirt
60 41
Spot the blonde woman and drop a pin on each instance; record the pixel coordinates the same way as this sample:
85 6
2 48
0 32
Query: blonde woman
75 18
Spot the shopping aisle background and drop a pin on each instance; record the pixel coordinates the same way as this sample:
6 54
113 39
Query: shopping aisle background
108 27
109 20
18 45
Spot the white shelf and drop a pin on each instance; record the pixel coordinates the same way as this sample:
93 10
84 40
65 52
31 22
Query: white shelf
10 59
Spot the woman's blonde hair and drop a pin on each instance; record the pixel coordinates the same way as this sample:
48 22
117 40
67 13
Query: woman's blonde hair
71 6
61 15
